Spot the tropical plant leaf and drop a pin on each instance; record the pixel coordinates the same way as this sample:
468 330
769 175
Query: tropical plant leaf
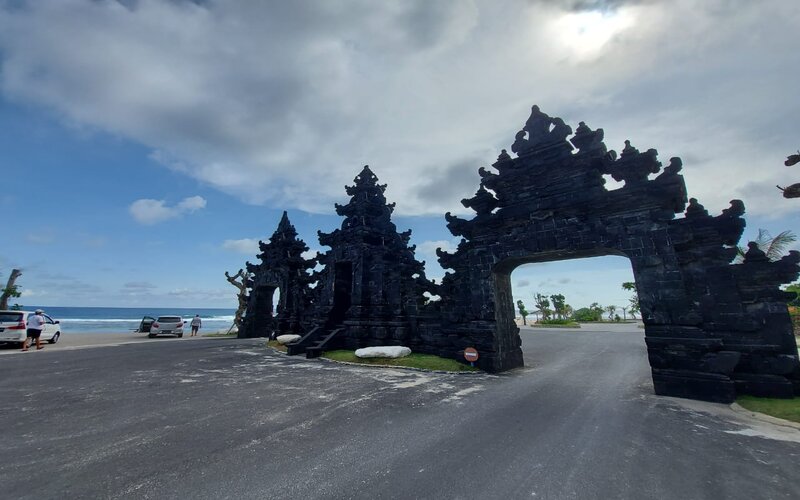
776 247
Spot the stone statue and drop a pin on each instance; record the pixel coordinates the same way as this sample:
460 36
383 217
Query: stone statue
239 280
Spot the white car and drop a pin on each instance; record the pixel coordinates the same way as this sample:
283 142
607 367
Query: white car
13 327
167 325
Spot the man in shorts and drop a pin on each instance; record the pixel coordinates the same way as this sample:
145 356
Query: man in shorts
195 325
35 326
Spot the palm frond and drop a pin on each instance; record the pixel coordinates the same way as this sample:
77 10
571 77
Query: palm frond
776 247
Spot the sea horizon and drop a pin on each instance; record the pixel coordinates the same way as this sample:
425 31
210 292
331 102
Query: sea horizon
101 319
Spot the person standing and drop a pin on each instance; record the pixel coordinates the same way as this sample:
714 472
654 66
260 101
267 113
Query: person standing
35 326
195 325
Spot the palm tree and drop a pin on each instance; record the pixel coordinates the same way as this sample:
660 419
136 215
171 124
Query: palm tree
775 248
611 310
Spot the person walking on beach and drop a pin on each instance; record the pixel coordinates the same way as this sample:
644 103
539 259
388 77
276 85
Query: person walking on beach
195 325
35 326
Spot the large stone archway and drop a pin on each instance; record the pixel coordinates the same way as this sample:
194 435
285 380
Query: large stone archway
713 329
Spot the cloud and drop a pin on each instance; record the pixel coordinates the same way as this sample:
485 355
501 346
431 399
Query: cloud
256 98
310 253
148 211
427 249
139 285
189 295
40 238
247 246
523 283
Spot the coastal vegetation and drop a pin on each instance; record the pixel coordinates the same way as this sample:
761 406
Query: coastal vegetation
553 310
11 290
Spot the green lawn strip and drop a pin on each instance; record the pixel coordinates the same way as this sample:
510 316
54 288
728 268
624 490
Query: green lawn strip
787 409
226 335
413 360
277 345
570 324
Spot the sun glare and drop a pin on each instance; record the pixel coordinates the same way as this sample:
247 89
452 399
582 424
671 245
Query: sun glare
585 34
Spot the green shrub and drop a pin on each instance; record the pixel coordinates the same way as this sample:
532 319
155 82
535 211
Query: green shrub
587 314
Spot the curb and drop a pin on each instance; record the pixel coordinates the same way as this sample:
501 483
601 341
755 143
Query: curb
764 417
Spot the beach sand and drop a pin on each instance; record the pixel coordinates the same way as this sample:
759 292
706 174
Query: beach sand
72 340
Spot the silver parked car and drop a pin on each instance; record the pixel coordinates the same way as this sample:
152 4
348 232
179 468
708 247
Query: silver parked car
163 325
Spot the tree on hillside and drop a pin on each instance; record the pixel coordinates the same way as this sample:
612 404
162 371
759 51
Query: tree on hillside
11 289
543 305
611 310
523 312
775 248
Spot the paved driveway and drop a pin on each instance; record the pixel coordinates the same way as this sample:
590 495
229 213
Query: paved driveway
231 419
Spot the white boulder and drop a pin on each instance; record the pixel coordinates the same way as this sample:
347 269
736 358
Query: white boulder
388 351
286 339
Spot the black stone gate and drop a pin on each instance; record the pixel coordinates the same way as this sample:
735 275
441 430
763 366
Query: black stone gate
713 329
282 268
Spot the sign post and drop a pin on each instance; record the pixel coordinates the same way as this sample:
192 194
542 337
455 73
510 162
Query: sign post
471 355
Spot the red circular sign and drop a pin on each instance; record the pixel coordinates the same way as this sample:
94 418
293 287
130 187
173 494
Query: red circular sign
471 354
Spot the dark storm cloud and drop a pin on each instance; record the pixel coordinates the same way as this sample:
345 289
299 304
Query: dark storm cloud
448 186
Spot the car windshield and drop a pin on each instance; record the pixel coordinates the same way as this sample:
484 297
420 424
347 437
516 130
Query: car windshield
169 319
10 317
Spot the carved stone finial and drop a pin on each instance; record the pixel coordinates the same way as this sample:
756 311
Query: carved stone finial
754 254
675 166
483 202
521 144
695 209
586 140
538 125
735 210
503 156
629 149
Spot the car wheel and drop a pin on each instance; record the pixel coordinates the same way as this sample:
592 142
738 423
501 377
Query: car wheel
151 336
55 338
180 335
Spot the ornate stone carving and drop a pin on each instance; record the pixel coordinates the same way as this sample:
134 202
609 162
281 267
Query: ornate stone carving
283 268
713 329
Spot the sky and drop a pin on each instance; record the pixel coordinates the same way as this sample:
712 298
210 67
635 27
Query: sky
147 146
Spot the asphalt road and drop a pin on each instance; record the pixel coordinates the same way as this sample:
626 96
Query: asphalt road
232 419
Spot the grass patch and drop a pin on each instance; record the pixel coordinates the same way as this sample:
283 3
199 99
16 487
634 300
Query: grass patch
787 409
226 335
277 345
413 360
556 323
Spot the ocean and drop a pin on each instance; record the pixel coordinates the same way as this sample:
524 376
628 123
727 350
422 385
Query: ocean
126 319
